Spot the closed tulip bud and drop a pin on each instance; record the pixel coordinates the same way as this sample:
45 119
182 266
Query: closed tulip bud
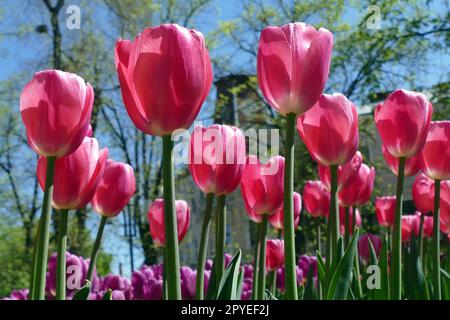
409 225
435 155
293 66
364 247
56 109
277 219
115 189
385 210
217 158
360 189
165 75
262 185
346 172
427 225
421 193
274 254
412 164
316 198
352 213
330 130
76 175
156 220
403 121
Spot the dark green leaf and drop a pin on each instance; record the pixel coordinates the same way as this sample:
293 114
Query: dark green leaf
108 295
229 282
83 293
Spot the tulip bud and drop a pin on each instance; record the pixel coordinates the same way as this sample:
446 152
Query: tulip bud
274 254
364 247
316 198
56 109
435 156
422 194
165 75
385 210
76 175
403 121
330 130
156 220
217 158
293 65
115 189
360 189
346 172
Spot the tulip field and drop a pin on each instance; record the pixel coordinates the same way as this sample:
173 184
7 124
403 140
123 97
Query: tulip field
165 73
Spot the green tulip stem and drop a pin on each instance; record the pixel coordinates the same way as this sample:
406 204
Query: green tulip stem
334 212
96 248
199 293
436 241
61 258
289 232
262 258
396 263
256 263
40 264
170 222
221 231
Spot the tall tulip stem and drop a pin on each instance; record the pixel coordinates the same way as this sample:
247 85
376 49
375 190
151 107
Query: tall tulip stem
40 265
221 225
96 248
334 212
422 219
256 264
262 258
289 233
347 226
436 248
199 293
170 222
396 267
61 259
272 279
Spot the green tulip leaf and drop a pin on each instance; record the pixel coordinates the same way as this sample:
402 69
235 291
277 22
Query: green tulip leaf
108 295
83 293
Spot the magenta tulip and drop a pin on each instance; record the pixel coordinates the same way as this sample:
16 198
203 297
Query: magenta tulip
76 175
330 130
262 184
353 214
115 189
364 247
217 158
409 224
277 219
156 220
275 254
165 75
293 66
385 210
316 198
403 121
56 109
435 156
360 189
422 193
346 172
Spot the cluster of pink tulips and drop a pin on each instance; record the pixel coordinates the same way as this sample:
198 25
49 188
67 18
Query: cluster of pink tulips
165 75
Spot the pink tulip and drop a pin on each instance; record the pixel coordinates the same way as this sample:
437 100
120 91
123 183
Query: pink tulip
156 220
293 65
115 189
316 199
262 185
351 214
435 155
385 210
412 165
255 217
165 75
427 225
277 219
274 254
364 247
217 158
346 172
408 226
403 121
421 193
76 175
330 130
56 109
360 189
